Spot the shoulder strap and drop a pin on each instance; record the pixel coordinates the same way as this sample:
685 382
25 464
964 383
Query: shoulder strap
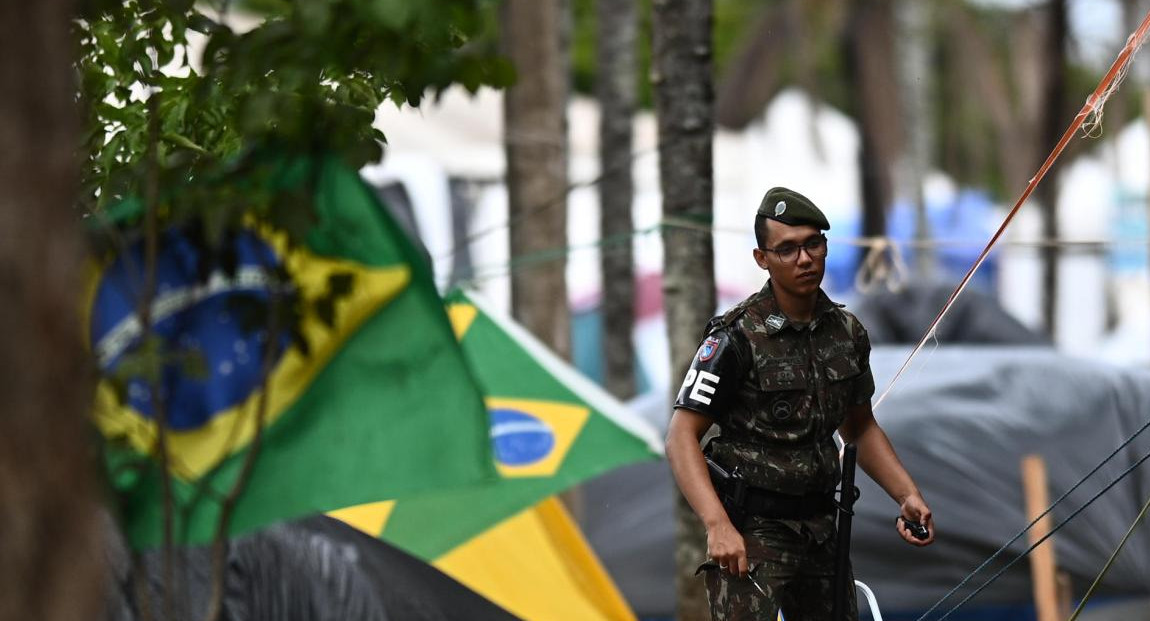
731 316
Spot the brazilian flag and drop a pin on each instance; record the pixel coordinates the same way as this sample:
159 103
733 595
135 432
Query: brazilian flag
365 399
551 428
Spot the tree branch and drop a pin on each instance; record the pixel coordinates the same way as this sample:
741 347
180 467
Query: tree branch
219 545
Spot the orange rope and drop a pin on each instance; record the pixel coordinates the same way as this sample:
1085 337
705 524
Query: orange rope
1093 106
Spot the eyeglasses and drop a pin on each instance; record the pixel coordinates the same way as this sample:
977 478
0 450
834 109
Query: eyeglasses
816 248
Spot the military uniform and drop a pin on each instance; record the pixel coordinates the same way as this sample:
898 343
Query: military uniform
778 390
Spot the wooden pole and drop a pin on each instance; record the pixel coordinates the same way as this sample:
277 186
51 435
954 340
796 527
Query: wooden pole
1043 568
1065 594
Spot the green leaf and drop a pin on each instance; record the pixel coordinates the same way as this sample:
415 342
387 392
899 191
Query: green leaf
194 365
252 313
205 25
340 284
394 14
179 7
183 141
300 341
293 213
313 15
144 363
309 77
325 310
277 8
502 73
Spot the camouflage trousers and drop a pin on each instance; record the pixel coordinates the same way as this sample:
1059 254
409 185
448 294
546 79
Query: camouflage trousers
794 565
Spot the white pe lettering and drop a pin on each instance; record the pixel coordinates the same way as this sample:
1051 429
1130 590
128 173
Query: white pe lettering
690 379
704 383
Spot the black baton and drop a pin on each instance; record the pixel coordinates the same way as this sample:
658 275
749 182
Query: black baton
847 495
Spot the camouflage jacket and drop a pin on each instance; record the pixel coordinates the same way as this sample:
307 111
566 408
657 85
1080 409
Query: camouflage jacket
779 390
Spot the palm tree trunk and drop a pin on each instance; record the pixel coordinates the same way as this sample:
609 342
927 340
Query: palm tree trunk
617 92
535 37
1053 123
914 80
684 104
535 134
870 65
50 553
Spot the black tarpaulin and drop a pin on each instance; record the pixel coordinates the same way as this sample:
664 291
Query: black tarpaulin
315 569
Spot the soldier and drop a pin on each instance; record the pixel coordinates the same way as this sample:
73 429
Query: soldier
778 374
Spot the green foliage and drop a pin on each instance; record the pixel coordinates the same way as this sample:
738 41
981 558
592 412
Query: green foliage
583 45
193 110
733 20
308 76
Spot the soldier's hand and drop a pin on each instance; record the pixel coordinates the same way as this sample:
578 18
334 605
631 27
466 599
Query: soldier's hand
914 509
726 547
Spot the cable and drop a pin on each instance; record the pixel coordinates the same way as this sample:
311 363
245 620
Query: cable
1030 549
554 253
560 199
1035 521
488 272
1061 498
1110 561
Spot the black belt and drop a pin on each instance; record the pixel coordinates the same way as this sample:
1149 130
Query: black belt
778 506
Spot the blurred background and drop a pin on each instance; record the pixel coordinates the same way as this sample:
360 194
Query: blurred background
919 125
581 177
915 126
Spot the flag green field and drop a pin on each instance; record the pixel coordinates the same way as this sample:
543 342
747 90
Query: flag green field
379 404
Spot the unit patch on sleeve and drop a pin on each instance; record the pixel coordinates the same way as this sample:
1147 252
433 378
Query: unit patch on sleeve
708 349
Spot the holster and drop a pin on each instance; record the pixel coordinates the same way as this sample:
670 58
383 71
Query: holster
741 500
731 489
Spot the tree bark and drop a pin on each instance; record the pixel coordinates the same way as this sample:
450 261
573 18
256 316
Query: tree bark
535 36
535 134
51 557
684 104
617 92
914 81
1053 124
869 52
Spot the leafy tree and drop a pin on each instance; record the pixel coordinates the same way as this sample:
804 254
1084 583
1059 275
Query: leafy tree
181 105
309 75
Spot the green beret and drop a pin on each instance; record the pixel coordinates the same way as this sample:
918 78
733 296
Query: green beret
790 207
